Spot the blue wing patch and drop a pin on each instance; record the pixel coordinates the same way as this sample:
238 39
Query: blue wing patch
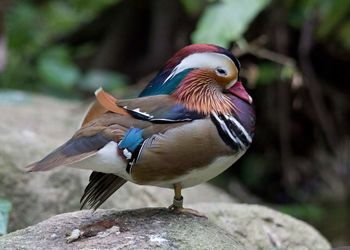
132 139
131 145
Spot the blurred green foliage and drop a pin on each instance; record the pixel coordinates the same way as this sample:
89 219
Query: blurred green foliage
31 26
35 61
267 72
56 68
226 21
98 78
334 19
313 214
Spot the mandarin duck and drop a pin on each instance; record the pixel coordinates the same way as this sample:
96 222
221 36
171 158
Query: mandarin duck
190 123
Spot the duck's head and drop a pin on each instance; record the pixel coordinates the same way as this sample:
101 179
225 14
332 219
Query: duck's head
202 76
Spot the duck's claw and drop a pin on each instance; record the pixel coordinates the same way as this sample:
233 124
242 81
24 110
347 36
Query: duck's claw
187 211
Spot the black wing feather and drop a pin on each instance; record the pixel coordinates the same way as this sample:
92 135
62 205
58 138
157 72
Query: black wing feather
101 186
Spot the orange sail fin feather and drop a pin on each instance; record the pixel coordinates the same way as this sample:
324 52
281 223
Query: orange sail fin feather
105 102
95 110
108 102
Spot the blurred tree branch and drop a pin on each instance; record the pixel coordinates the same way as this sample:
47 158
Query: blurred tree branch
281 40
312 83
255 48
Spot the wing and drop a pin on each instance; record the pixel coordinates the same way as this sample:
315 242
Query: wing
156 109
76 149
95 110
88 140
98 128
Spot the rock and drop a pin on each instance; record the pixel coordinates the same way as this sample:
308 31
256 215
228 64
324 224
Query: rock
263 227
135 229
30 127
230 226
34 125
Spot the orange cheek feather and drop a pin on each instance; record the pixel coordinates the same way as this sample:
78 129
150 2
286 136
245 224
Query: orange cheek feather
200 91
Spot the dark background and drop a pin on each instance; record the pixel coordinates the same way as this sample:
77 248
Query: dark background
295 56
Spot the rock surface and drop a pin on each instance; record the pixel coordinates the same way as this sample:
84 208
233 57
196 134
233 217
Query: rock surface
108 229
32 126
263 227
230 226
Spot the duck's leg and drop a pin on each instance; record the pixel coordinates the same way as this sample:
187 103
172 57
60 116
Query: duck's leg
177 205
178 199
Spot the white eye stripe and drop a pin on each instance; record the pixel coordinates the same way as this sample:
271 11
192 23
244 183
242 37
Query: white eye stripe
203 60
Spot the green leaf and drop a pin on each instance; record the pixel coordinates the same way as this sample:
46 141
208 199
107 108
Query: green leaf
5 208
20 22
334 13
300 10
344 35
268 73
56 68
287 72
92 6
31 26
193 7
227 21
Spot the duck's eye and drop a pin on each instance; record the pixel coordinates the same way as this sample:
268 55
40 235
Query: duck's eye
221 72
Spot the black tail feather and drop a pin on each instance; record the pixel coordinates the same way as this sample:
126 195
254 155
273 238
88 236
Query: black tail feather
101 186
